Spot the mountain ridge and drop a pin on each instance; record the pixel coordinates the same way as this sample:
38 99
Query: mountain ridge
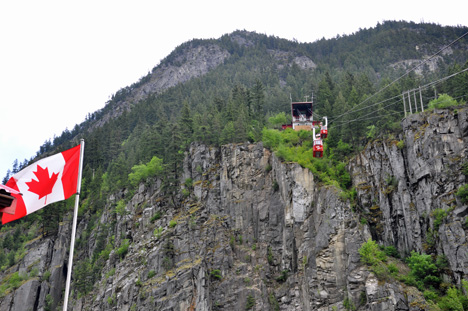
181 65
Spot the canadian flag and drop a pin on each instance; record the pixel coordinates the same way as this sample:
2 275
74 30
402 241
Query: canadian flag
46 181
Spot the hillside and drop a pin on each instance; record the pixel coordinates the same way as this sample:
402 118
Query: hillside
227 222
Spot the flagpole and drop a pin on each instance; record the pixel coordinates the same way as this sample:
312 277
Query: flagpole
75 216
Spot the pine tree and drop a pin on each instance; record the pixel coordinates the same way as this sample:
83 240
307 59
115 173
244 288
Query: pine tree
325 98
241 125
228 134
258 102
186 125
173 163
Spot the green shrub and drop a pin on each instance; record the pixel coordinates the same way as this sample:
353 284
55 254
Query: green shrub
392 268
462 193
46 276
172 223
34 272
401 144
391 251
216 274
348 304
465 169
277 120
49 301
439 215
275 186
120 208
431 295
141 172
451 301
362 298
431 238
16 279
151 273
123 249
442 262
110 273
188 183
250 302
155 217
424 270
104 254
376 258
371 132
270 256
283 276
273 302
443 101
371 253
232 241
157 232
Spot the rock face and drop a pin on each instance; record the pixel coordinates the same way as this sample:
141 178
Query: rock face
402 185
253 233
195 61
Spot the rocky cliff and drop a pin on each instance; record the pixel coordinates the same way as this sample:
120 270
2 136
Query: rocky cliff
249 232
402 183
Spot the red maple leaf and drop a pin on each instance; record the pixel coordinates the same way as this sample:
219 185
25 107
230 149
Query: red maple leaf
44 185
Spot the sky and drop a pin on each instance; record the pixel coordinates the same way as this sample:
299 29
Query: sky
60 60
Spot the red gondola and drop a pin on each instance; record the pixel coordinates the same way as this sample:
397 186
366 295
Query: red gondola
323 132
324 129
318 146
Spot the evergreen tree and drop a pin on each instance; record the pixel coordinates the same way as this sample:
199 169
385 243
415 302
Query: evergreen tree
173 163
343 122
242 125
7 177
228 134
325 96
186 125
258 102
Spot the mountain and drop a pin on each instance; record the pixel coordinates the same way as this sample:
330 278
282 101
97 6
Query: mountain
226 221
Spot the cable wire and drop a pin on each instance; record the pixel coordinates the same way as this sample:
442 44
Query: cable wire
405 74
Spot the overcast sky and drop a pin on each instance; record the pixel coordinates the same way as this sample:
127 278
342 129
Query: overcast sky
60 60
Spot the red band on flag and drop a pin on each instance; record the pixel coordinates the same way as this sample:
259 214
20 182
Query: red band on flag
39 184
70 171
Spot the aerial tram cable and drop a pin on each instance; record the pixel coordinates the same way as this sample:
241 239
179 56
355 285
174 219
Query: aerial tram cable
364 117
424 87
361 119
378 103
405 74
442 79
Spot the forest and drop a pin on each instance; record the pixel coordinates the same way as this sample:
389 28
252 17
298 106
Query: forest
356 84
